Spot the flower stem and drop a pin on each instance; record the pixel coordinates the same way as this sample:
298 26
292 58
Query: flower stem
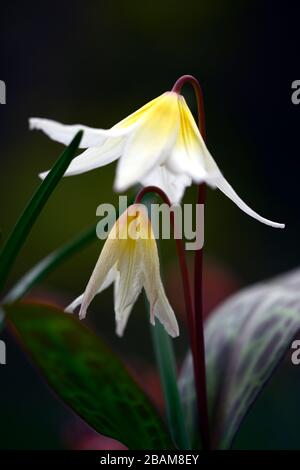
165 358
198 325
181 259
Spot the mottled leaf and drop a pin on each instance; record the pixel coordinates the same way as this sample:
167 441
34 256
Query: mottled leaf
88 376
245 340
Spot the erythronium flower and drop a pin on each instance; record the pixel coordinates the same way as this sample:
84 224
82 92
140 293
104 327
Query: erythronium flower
129 258
160 144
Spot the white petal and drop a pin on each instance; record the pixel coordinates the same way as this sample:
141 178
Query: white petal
159 304
128 286
150 143
65 133
164 312
73 305
199 163
107 260
178 165
92 137
94 157
107 282
173 185
139 114
227 189
188 154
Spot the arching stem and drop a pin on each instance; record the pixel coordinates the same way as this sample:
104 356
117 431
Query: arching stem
199 357
181 259
163 346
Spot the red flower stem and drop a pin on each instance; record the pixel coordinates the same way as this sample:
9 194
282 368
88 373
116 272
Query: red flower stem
199 358
182 261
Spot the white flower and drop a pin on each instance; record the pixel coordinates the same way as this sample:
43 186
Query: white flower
160 144
129 258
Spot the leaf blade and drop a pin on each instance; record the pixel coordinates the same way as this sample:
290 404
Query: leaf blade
32 210
47 264
246 339
87 376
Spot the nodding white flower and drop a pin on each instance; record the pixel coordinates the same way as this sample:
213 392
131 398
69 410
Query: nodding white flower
129 258
160 144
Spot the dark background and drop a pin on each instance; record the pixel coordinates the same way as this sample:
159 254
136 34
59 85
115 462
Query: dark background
95 62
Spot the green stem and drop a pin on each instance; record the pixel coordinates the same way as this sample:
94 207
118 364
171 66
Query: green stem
165 358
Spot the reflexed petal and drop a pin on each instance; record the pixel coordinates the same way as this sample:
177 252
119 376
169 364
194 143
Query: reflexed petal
94 157
65 133
107 282
128 285
92 137
150 143
199 156
227 189
173 185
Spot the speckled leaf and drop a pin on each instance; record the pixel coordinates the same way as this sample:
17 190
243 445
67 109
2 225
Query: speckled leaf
88 376
245 340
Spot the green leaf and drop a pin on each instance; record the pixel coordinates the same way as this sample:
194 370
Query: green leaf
88 376
44 267
245 338
49 263
31 212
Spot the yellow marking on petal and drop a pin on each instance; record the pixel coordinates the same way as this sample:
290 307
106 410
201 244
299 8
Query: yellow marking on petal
135 264
132 225
134 117
198 153
189 136
150 144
